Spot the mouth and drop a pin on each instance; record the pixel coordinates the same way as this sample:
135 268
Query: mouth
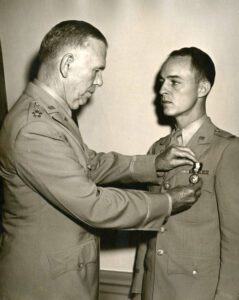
91 91
165 102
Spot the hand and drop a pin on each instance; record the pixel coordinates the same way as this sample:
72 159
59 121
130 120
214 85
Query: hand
174 156
183 197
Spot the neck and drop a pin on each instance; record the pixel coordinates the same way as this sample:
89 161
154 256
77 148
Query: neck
189 117
47 77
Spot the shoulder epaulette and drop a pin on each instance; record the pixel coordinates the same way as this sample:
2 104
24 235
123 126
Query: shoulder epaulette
223 133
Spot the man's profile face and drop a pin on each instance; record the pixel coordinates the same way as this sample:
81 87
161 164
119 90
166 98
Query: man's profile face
85 72
178 86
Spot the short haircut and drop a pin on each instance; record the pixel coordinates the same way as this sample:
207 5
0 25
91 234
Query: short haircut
67 33
200 61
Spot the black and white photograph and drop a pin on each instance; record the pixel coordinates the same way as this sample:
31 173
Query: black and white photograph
119 150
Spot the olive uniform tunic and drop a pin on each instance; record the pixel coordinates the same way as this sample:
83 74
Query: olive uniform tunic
195 255
49 248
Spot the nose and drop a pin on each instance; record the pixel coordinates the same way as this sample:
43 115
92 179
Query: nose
163 88
98 78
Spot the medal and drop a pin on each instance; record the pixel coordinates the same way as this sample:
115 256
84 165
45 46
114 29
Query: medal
193 178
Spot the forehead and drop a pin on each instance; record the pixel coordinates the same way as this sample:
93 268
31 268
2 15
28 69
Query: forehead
92 53
94 47
179 66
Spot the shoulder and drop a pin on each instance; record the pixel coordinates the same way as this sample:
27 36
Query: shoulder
27 117
223 134
226 138
227 142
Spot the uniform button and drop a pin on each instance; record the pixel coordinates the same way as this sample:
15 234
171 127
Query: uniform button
89 167
162 229
167 185
81 265
194 272
160 252
137 270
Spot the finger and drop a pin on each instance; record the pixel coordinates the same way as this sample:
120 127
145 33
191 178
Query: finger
181 154
181 162
184 150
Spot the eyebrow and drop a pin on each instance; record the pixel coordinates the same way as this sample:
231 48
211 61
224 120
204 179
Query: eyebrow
171 77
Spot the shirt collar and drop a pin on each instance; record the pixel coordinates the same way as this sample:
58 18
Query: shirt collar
56 97
189 131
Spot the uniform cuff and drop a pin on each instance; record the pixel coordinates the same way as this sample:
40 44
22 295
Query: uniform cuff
143 169
170 200
158 208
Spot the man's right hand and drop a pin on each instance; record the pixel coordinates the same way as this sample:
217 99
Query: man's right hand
183 197
174 156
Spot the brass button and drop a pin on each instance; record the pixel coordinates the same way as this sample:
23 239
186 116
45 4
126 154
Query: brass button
160 252
194 272
167 185
81 265
162 229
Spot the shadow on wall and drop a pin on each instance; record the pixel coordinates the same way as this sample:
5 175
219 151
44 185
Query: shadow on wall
33 68
161 118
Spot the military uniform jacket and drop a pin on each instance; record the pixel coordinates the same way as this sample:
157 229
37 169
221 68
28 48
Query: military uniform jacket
49 248
195 255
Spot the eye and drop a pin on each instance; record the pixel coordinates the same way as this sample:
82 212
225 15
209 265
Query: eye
175 83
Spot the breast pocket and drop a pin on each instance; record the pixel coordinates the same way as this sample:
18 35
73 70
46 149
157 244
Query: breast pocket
78 258
193 266
206 206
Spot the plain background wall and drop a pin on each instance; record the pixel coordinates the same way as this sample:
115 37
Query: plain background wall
141 33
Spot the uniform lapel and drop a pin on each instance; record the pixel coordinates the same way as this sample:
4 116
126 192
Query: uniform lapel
164 143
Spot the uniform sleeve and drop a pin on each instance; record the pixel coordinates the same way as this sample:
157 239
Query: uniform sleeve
47 164
227 193
113 167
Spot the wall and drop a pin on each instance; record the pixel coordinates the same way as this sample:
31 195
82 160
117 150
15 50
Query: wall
141 33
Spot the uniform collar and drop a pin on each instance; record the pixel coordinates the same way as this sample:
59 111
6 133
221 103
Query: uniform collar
189 131
54 95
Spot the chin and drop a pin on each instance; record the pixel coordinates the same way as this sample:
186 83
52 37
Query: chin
83 101
169 113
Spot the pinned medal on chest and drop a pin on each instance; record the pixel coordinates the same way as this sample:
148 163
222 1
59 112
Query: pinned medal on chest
194 177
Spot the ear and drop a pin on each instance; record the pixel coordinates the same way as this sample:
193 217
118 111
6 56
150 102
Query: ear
65 64
203 88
